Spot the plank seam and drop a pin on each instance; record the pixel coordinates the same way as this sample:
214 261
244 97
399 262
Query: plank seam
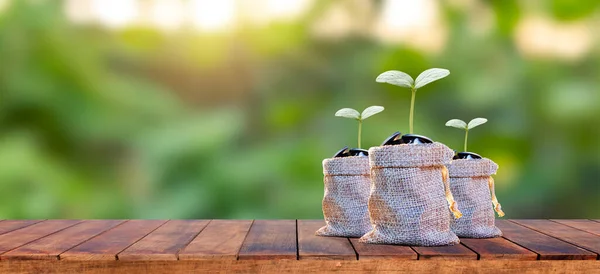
22 226
478 256
237 254
93 237
597 221
552 220
117 255
191 240
539 256
81 221
597 255
297 242
353 248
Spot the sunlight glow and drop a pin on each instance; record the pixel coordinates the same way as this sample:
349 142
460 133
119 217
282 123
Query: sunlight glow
167 14
213 15
115 13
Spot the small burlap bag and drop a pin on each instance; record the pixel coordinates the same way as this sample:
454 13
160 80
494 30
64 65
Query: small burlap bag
410 197
473 188
347 183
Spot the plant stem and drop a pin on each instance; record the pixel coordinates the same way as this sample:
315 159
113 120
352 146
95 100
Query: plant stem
466 136
412 109
359 131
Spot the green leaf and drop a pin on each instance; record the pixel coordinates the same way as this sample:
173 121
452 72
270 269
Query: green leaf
370 111
348 113
476 122
430 75
457 123
397 78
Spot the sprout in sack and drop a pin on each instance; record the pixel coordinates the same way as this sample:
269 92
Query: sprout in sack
353 114
457 123
401 79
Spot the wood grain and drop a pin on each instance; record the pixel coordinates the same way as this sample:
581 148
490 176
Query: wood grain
574 236
312 247
453 252
270 239
165 242
498 249
547 247
585 225
380 252
220 239
17 238
51 246
107 245
11 225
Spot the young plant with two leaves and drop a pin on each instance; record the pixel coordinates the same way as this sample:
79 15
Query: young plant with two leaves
460 124
360 117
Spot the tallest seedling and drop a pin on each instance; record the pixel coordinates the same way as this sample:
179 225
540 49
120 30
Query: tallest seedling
401 79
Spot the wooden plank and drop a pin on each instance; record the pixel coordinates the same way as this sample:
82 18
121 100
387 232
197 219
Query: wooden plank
575 236
11 225
498 249
165 242
452 252
17 238
314 247
51 246
221 239
107 245
270 239
379 252
585 225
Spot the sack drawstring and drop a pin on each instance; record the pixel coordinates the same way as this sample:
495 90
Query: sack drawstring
453 207
495 202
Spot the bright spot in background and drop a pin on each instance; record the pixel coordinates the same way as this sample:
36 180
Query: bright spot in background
543 37
115 13
167 14
261 12
416 23
212 15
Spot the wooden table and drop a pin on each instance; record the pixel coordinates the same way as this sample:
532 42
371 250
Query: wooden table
166 246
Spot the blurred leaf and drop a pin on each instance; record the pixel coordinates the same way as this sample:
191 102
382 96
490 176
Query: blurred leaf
370 111
348 113
397 78
429 76
457 123
476 122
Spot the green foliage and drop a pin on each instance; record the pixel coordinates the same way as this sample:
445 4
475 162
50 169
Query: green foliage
457 123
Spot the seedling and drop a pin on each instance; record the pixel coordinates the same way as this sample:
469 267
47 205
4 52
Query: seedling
353 114
457 123
401 79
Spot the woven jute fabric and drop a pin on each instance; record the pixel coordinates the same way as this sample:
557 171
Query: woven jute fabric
469 182
347 183
408 201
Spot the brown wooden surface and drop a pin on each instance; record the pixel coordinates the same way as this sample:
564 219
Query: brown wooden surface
165 242
547 247
19 237
221 239
569 234
585 225
10 225
498 249
51 246
270 239
158 246
454 252
312 247
377 252
107 245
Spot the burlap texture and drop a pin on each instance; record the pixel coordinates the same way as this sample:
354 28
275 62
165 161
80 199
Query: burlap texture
347 183
407 204
469 185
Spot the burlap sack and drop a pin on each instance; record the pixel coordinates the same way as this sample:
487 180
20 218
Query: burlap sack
473 188
347 183
410 198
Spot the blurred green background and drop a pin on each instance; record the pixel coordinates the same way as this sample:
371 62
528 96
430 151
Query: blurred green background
224 109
